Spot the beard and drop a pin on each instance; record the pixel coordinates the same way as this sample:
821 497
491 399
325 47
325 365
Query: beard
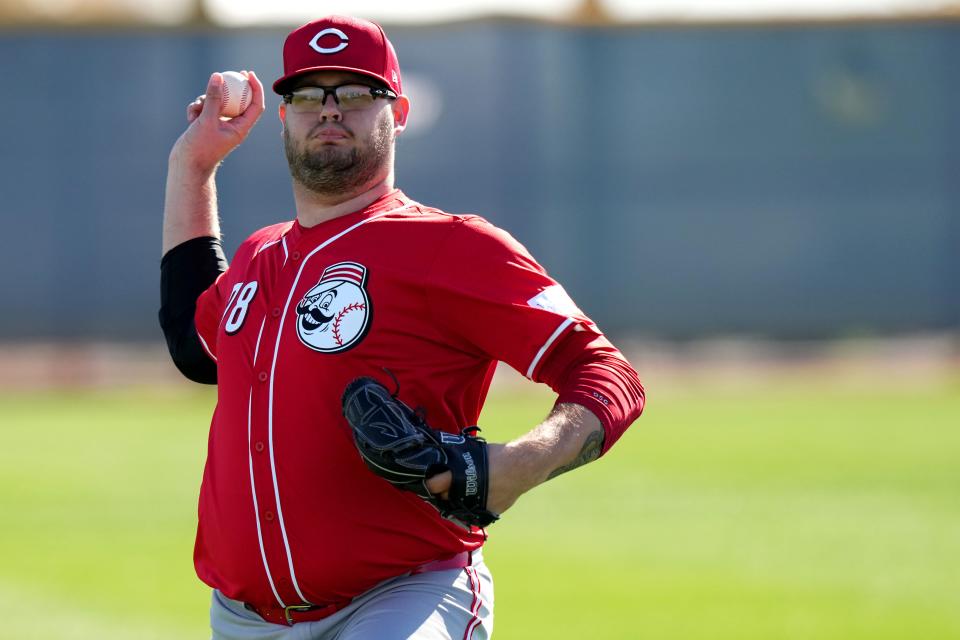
333 169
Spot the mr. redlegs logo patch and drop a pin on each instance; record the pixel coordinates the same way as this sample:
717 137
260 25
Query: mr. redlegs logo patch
335 314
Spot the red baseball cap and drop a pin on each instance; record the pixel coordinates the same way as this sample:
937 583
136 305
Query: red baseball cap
339 43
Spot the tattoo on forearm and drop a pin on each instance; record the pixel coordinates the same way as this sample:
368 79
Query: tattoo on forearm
590 451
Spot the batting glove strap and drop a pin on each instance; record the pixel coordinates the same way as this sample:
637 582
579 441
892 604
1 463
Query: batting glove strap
468 464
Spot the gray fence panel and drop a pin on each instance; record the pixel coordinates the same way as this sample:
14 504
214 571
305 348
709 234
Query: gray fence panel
788 181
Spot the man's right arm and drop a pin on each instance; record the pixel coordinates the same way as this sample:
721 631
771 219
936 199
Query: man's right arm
192 255
190 203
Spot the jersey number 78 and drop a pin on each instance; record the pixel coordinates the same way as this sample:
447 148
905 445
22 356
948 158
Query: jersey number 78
238 305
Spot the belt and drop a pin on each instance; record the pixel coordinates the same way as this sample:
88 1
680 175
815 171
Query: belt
295 613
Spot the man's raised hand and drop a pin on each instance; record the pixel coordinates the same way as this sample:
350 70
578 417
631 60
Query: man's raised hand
208 138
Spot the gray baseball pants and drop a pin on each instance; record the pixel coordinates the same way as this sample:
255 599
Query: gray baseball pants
456 604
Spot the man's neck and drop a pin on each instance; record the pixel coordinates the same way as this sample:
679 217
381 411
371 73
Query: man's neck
314 208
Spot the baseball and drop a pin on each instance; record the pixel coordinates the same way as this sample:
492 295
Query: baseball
236 94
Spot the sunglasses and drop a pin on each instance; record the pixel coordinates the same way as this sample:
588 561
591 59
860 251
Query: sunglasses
349 97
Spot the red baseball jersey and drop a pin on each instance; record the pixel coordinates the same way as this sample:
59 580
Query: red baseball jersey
289 513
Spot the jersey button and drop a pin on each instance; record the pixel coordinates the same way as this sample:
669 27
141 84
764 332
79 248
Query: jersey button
269 516
295 255
258 447
262 376
275 312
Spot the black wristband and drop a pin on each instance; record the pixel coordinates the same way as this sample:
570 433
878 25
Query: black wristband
186 271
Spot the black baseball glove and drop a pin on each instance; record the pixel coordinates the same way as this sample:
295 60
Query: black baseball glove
397 445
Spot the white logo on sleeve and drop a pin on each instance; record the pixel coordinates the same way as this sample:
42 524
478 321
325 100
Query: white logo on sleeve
555 299
335 314
344 41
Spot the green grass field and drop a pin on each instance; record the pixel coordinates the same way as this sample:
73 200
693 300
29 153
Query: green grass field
783 510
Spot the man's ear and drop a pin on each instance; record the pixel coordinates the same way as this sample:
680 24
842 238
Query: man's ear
401 109
282 109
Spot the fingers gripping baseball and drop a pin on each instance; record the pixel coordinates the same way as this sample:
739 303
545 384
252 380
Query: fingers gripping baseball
209 138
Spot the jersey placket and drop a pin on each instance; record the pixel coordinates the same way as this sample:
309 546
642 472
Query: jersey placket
271 527
278 301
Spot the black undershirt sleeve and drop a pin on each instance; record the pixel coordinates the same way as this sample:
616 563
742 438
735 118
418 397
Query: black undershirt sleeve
186 271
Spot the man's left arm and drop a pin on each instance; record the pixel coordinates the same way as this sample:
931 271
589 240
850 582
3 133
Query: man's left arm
570 437
599 396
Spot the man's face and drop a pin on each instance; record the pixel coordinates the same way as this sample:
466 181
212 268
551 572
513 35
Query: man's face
334 151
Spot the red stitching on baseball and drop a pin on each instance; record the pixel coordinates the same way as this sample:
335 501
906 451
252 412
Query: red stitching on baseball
336 321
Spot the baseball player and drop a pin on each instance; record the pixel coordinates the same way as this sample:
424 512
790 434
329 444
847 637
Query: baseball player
346 493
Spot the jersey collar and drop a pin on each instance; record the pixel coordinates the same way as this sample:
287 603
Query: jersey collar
395 199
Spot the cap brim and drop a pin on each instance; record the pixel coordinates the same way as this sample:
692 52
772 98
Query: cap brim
282 85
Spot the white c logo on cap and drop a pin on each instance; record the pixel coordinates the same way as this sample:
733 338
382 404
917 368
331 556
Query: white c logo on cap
344 40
